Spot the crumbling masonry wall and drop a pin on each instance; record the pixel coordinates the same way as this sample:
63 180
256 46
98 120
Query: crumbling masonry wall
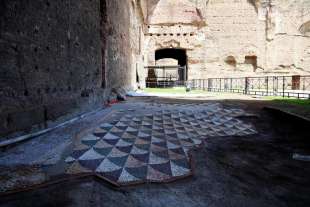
234 31
262 37
180 25
124 43
288 43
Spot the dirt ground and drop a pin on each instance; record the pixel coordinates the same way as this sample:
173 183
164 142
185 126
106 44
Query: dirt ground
256 170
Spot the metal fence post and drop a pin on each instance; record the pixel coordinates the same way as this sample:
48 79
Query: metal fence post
220 84
267 85
246 87
283 85
275 86
204 84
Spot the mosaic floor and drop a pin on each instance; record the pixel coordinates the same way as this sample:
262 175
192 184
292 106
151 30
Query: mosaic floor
152 143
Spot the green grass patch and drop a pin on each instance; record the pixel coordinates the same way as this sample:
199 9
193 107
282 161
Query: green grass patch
176 90
293 105
292 101
301 102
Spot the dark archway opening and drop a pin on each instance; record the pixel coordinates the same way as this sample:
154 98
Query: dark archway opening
177 54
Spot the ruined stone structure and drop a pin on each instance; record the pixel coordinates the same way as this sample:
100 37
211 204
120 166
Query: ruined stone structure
232 39
60 58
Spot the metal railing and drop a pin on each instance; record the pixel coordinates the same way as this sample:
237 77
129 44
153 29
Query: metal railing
286 86
165 76
164 83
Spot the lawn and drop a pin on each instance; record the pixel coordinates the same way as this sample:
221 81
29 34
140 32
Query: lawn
175 90
293 105
290 101
301 102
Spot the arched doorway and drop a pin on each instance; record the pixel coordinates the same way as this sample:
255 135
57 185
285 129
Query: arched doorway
177 54
170 69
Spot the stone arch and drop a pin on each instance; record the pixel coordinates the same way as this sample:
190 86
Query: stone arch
175 53
178 54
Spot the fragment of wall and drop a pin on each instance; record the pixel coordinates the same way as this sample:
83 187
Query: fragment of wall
125 48
287 51
234 29
50 59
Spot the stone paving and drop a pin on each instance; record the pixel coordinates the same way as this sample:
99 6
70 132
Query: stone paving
152 142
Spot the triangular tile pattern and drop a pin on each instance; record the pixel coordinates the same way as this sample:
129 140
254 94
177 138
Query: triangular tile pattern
153 147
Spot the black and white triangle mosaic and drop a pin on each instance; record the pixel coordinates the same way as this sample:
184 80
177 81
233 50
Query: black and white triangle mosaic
152 147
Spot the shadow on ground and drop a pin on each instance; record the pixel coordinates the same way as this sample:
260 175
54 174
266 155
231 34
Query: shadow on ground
257 170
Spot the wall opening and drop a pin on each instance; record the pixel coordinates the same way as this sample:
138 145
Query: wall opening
177 54
231 61
103 22
251 60
305 28
137 77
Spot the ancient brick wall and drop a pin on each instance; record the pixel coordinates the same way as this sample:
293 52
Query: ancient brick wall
124 43
263 37
177 24
50 60
288 43
60 58
233 30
